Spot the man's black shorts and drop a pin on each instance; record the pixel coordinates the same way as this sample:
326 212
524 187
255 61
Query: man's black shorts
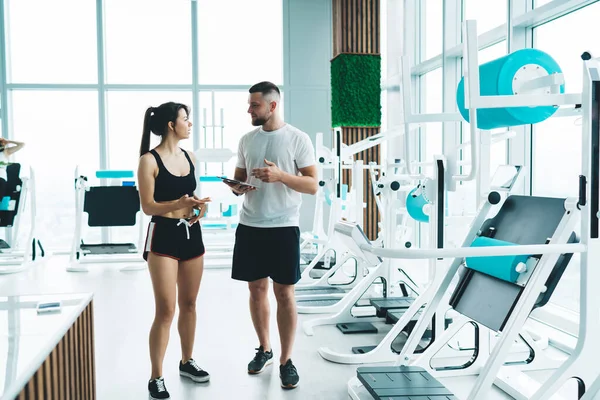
267 252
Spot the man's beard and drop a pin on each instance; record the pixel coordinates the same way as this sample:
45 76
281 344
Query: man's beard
258 121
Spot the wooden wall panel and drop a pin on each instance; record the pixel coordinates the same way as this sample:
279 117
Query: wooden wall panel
68 373
356 27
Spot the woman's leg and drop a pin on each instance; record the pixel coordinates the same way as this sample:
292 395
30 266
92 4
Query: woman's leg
163 271
188 282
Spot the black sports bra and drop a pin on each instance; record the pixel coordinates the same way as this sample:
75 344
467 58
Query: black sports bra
169 187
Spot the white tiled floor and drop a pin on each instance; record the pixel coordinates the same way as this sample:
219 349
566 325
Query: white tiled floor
225 339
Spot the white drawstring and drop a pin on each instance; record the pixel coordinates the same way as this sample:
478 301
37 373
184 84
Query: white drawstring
187 226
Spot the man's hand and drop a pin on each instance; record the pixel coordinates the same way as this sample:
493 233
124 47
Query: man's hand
271 173
239 189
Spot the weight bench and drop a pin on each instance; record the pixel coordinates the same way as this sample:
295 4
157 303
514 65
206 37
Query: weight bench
107 206
496 292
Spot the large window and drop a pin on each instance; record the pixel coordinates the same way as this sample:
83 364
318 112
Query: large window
489 14
58 72
241 46
60 130
431 142
125 121
434 22
227 109
56 49
148 41
556 143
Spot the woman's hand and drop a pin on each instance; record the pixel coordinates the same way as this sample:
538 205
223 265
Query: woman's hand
201 208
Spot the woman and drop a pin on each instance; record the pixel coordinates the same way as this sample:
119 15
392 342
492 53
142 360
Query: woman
5 153
174 249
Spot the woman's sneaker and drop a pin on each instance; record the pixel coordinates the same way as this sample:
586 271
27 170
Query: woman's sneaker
191 370
260 361
157 389
289 375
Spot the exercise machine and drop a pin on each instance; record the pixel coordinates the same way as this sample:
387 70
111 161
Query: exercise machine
20 198
509 263
107 206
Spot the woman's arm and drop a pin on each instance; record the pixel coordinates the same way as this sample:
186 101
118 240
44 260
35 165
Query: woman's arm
13 149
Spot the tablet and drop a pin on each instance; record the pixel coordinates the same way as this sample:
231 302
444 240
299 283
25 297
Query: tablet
234 182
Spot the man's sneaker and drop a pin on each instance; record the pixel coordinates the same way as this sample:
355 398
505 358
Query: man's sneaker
289 375
260 361
157 389
191 370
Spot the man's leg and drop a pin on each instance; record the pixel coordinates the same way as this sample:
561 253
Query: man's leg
286 319
260 310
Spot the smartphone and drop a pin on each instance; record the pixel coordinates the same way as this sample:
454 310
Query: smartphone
48 307
234 182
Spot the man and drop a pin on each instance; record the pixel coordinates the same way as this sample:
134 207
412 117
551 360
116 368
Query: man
278 159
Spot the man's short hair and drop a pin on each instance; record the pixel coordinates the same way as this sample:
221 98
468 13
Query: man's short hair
269 90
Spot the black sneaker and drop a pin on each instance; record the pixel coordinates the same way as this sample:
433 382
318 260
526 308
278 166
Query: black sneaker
289 375
157 389
191 370
260 361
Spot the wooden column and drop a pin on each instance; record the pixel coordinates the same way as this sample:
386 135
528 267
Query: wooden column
68 373
356 30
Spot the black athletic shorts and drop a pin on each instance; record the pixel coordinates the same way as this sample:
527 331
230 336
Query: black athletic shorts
174 238
267 252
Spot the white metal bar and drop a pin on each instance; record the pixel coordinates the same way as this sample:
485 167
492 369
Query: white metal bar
484 251
472 91
527 100
436 117
495 138
552 81
372 141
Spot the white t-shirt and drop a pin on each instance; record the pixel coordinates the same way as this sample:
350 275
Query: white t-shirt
273 204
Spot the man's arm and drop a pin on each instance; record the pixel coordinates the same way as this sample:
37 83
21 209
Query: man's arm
305 183
240 174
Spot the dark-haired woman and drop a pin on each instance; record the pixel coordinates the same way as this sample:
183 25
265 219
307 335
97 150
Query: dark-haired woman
173 249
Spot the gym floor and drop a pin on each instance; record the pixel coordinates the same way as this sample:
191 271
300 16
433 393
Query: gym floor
225 338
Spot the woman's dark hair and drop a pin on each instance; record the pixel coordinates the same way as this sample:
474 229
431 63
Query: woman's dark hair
156 121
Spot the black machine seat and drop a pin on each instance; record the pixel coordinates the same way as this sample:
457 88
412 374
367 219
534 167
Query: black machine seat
13 190
383 304
112 205
523 220
402 383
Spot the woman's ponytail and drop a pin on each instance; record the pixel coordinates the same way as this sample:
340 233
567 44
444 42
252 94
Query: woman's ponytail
145 146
